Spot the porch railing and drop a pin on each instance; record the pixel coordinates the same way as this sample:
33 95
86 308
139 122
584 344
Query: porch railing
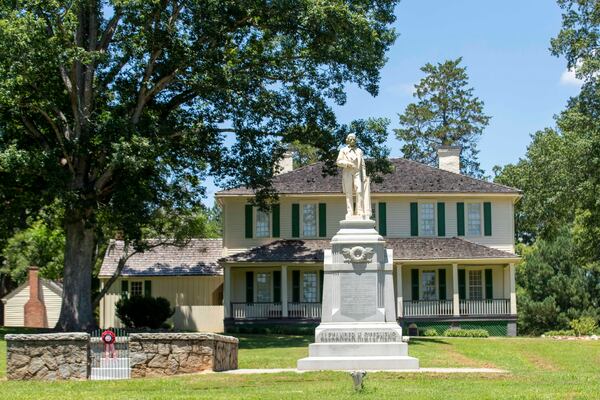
304 310
425 308
485 307
255 310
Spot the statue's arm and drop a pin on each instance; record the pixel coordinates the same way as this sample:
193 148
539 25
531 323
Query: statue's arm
342 161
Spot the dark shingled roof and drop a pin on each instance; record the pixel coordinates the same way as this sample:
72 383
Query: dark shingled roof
198 257
404 249
407 177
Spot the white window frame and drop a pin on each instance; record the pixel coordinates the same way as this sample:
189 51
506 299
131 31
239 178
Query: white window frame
468 283
420 208
316 205
270 223
141 294
375 214
256 273
317 286
467 219
436 295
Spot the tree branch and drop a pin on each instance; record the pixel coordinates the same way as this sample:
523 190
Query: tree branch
59 137
109 32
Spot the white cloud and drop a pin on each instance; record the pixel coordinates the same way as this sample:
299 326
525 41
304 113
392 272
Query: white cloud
568 78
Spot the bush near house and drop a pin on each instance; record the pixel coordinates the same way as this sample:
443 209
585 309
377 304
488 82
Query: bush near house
479 333
144 312
430 332
584 326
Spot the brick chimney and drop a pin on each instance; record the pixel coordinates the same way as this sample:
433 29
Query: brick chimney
449 158
35 310
285 164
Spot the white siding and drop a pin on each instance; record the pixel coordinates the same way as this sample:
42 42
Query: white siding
197 301
14 306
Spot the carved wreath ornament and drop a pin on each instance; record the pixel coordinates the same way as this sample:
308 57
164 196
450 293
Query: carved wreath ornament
358 254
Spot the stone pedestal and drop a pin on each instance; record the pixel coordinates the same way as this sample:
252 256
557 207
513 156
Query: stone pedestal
358 327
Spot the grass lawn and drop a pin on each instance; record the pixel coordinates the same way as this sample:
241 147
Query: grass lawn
539 369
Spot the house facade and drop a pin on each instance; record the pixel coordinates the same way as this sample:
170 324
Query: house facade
452 238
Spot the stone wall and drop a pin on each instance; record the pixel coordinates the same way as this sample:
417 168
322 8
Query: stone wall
160 354
47 356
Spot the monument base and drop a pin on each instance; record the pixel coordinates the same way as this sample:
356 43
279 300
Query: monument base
358 346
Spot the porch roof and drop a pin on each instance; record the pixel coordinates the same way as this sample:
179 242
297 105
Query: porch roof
197 257
405 249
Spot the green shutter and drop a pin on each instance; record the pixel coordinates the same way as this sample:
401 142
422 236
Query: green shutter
147 288
441 219
462 284
277 286
487 218
295 286
275 213
295 220
249 287
249 226
414 219
414 284
382 219
124 288
489 285
442 284
322 220
460 219
321 276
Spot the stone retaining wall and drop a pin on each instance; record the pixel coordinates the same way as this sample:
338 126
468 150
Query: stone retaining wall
160 354
47 356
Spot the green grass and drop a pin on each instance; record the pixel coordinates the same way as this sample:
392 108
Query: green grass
539 369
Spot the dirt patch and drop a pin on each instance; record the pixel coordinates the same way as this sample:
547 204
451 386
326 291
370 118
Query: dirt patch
540 362
466 361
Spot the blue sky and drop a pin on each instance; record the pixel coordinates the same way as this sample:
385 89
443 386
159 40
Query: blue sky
504 45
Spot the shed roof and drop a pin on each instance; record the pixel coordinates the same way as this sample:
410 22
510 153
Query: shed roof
197 257
54 286
404 249
407 177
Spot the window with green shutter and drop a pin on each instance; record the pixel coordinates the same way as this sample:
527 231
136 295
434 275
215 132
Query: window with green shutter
441 219
414 219
487 218
460 219
442 284
462 284
277 286
248 219
382 218
295 220
147 288
414 284
295 286
489 285
275 215
249 287
322 219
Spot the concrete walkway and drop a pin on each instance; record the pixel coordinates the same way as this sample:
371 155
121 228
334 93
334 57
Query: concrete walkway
411 371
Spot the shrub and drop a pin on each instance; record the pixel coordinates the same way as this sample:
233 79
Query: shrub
584 326
144 312
564 332
480 333
430 332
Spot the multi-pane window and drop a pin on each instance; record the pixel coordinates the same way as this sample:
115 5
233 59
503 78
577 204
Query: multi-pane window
309 220
262 224
475 285
263 287
309 287
428 281
474 219
136 289
427 220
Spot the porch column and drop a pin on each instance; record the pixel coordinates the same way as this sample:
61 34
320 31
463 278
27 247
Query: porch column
399 294
227 291
284 293
513 289
455 297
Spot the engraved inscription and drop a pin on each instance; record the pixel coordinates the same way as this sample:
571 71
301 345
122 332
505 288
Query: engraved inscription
358 295
337 336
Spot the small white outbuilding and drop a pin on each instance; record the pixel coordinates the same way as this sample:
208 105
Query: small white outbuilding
36 303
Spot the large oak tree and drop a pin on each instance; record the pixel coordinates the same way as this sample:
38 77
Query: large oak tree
119 109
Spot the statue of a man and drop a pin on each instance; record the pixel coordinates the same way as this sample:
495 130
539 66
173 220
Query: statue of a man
354 179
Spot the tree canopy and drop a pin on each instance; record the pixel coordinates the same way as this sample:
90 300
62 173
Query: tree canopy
120 109
446 113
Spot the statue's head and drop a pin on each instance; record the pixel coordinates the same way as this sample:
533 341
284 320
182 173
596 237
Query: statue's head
351 140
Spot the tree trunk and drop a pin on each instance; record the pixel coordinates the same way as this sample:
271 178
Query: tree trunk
76 313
